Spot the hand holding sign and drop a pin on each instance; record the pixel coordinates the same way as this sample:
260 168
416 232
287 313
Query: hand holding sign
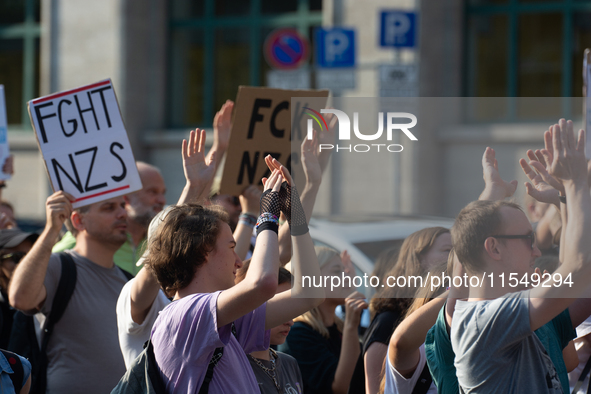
58 208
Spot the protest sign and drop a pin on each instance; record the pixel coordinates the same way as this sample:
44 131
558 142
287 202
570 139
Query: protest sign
84 144
262 125
4 150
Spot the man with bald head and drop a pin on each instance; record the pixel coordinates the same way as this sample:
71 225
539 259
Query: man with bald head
141 207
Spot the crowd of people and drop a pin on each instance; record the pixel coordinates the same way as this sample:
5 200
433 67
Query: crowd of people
207 295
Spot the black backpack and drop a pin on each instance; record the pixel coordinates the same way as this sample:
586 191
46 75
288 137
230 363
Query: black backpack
23 339
143 376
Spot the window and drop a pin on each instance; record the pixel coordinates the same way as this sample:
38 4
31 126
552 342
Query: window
526 48
19 57
217 45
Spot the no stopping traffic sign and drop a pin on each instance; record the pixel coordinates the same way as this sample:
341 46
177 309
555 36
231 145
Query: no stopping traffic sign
286 49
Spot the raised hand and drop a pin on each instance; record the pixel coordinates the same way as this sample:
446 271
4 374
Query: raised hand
8 167
347 263
198 172
309 155
495 187
249 200
270 200
291 205
355 303
540 190
222 123
327 137
568 156
58 208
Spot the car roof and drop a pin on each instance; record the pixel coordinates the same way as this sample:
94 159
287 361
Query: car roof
364 228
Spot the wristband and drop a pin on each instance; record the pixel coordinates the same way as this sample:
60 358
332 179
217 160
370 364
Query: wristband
267 221
247 219
562 199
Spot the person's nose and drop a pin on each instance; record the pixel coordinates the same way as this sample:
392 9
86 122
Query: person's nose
161 199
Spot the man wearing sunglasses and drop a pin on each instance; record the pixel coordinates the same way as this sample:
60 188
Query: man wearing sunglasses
14 244
492 332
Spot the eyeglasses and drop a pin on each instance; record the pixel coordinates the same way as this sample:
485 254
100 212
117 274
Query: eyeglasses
531 236
15 257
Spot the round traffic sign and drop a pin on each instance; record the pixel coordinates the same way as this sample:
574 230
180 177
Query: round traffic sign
286 49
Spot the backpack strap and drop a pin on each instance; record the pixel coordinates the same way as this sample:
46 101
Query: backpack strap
127 274
17 367
215 359
64 292
153 372
424 381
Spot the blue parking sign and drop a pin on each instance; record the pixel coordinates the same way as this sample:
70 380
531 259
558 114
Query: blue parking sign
398 29
335 47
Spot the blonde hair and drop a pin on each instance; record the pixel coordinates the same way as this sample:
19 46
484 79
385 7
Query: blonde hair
313 317
407 265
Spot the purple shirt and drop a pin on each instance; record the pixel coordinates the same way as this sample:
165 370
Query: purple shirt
185 336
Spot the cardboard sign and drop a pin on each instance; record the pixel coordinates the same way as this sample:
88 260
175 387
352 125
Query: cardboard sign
81 135
4 150
262 125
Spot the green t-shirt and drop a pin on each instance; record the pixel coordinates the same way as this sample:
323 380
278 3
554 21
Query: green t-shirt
125 258
440 357
554 335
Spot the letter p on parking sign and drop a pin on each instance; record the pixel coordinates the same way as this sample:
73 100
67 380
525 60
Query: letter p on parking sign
84 144
398 29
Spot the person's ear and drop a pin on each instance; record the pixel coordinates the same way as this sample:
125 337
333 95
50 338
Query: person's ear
77 220
491 247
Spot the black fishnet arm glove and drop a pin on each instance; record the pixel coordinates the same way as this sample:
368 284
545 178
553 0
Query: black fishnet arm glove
293 210
270 203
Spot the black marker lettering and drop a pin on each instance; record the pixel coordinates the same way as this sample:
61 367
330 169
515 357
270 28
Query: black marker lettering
86 187
283 106
256 117
75 182
81 112
123 168
74 122
41 117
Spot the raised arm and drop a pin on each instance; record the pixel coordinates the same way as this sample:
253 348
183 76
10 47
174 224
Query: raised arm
313 173
569 166
198 174
27 291
260 282
495 188
294 302
249 201
410 335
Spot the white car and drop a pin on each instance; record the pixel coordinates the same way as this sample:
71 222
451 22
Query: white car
365 237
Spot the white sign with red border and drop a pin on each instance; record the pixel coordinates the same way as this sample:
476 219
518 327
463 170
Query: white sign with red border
84 144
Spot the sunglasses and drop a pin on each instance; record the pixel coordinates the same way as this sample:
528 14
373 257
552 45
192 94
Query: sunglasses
531 236
15 257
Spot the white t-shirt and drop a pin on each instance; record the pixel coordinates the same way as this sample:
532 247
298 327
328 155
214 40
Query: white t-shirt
398 384
584 352
132 336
